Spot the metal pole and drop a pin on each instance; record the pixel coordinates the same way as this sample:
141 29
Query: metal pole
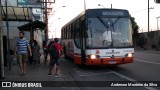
101 5
157 23
8 47
55 32
84 5
46 20
1 47
111 6
148 18
147 44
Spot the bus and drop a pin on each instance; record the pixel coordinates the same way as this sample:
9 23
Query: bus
99 37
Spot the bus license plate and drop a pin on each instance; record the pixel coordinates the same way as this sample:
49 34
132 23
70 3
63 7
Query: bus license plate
112 62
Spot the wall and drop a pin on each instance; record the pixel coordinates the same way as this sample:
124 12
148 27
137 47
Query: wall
154 38
38 34
13 30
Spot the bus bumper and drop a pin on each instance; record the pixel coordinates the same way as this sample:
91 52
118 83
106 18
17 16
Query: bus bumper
109 61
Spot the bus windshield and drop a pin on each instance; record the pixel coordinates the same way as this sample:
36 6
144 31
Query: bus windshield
110 32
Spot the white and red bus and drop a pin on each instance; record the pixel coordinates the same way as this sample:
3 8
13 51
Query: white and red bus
99 37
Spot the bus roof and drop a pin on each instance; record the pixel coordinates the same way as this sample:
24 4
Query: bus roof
101 12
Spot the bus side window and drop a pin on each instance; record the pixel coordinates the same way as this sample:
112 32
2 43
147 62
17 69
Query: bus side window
77 37
69 31
72 31
62 34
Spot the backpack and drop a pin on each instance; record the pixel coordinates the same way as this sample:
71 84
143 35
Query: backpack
50 44
54 51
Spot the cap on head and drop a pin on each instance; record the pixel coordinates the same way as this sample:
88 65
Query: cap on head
56 40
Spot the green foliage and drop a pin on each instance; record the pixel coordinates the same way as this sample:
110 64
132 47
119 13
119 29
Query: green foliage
142 41
135 28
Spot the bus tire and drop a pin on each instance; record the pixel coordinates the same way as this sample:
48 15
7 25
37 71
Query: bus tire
65 52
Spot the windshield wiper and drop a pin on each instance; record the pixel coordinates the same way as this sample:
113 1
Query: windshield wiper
115 21
112 25
103 22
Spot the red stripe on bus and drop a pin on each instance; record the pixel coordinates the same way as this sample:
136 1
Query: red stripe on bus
77 59
104 61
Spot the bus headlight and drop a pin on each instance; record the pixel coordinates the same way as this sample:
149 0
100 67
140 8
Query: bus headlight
93 56
129 55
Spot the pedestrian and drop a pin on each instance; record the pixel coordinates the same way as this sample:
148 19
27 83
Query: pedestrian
36 53
46 50
22 50
55 53
30 60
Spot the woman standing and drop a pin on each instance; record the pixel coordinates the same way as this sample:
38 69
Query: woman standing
36 53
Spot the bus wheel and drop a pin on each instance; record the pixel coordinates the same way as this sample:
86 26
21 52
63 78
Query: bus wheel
65 52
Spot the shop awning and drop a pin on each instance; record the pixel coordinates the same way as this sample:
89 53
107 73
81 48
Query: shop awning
32 25
17 14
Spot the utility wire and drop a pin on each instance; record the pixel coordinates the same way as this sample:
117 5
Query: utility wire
144 9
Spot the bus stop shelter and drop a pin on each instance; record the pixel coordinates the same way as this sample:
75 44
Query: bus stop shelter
31 26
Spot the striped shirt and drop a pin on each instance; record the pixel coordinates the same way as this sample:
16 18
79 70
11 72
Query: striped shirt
22 45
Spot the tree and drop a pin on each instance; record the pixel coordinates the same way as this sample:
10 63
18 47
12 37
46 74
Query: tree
135 28
157 1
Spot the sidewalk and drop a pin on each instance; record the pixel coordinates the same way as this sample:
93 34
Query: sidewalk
147 51
33 72
39 73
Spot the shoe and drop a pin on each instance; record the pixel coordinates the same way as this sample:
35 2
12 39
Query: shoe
49 74
56 75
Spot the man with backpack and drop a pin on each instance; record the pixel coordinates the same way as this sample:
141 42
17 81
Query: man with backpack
46 49
55 53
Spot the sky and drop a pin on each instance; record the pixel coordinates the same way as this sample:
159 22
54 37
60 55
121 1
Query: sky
60 15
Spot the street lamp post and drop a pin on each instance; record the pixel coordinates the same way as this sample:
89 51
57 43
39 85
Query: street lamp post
55 32
148 25
56 10
157 23
101 5
54 21
148 17
104 6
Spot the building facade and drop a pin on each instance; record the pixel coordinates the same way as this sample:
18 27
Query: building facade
19 12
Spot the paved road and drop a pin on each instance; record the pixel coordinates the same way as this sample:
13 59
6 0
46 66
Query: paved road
146 67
